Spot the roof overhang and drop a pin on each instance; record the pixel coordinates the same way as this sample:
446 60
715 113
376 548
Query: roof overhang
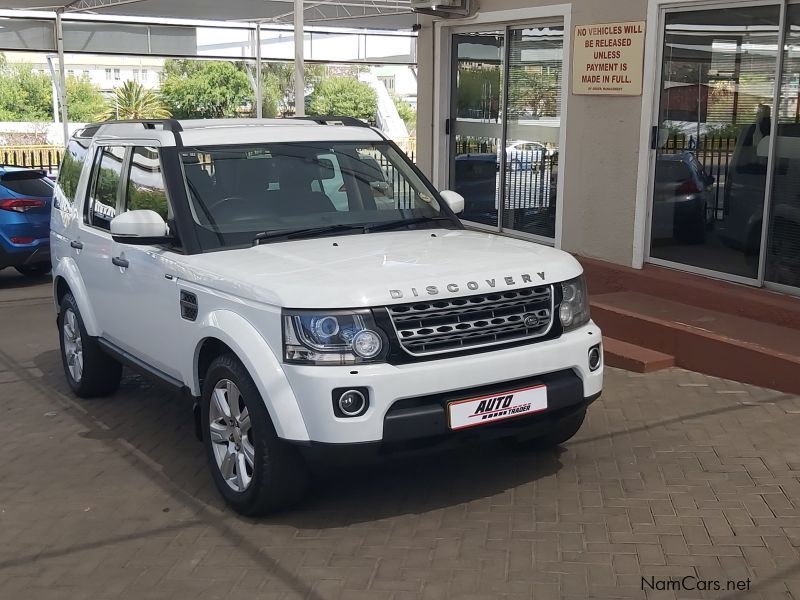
372 14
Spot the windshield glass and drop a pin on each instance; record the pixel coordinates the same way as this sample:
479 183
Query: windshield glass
239 191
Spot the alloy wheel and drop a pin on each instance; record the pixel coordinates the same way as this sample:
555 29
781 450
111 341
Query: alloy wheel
230 433
73 345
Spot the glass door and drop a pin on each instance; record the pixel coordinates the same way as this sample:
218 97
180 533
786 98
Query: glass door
533 128
475 125
782 256
505 126
710 174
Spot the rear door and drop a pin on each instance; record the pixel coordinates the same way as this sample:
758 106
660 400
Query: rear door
95 258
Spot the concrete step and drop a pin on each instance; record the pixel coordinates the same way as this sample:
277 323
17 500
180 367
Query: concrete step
704 340
695 290
631 357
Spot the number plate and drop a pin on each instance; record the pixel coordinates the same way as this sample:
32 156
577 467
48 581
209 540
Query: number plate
497 407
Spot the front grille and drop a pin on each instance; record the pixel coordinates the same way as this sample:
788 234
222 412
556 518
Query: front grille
438 326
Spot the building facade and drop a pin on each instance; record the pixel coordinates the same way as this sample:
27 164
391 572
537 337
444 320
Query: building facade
691 162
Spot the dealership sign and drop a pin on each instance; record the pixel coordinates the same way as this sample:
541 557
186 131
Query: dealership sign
608 59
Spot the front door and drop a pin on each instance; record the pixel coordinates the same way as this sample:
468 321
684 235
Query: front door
99 274
151 334
476 123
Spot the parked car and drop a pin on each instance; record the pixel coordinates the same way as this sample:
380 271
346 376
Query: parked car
526 156
745 186
683 199
305 330
26 196
476 179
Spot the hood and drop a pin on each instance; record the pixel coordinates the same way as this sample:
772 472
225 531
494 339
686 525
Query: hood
376 269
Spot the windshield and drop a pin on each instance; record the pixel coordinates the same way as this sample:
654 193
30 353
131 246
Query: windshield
238 193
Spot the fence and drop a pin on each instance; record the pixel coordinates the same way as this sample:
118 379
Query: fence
39 157
530 175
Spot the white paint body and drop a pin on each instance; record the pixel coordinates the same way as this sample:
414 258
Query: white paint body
241 293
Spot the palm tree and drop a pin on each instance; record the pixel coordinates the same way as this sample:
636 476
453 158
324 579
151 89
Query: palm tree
134 101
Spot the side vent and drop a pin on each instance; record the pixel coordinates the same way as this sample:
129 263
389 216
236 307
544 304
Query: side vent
188 305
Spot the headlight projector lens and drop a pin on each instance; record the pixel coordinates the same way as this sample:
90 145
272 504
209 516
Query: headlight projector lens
326 327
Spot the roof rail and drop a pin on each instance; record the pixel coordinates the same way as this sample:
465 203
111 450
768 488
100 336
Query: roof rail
168 124
335 120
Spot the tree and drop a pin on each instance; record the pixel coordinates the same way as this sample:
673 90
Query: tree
345 96
85 102
277 85
406 112
533 93
205 89
478 91
25 95
133 101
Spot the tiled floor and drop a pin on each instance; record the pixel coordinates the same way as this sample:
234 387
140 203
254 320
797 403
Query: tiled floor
674 475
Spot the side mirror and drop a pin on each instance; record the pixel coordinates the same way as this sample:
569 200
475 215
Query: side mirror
139 227
454 200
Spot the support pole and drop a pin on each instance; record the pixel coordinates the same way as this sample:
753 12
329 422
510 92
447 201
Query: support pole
62 76
259 83
299 78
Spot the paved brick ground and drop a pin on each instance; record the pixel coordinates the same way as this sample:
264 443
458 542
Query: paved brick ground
675 474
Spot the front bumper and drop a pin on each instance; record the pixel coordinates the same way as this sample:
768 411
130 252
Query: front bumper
396 392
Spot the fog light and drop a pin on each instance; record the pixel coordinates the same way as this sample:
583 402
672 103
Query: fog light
352 403
595 357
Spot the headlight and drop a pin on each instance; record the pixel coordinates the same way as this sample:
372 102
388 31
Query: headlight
331 338
574 309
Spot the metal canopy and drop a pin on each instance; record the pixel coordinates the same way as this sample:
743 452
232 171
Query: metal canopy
378 14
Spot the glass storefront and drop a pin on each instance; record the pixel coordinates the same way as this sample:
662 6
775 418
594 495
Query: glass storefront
505 130
719 177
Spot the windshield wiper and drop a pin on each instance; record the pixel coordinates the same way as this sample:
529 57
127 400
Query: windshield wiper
403 222
291 234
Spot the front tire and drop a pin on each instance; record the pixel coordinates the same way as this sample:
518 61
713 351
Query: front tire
254 471
90 372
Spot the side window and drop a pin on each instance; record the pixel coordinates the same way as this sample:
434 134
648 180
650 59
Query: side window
146 189
69 172
102 205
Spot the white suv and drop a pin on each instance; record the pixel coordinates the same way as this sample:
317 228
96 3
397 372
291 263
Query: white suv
210 256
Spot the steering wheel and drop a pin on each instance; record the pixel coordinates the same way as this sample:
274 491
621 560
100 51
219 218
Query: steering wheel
238 209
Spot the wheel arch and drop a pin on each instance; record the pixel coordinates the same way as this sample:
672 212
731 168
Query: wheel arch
67 279
225 331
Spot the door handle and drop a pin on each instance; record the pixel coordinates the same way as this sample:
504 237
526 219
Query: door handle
76 244
120 262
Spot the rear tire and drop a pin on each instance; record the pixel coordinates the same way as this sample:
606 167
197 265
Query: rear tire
254 471
35 270
90 372
562 432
